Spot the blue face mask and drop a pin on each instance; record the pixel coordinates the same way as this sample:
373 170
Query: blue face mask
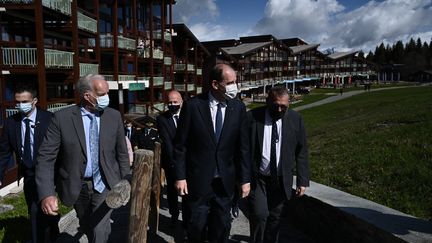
102 102
24 107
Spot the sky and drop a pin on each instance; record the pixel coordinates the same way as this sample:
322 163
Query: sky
345 25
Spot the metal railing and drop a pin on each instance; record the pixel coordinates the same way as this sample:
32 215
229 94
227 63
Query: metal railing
190 87
126 77
199 71
180 87
167 60
167 85
19 56
159 106
158 81
179 66
87 23
191 67
61 59
167 36
62 6
88 68
58 106
126 43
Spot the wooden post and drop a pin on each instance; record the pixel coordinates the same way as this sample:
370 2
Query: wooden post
155 193
140 195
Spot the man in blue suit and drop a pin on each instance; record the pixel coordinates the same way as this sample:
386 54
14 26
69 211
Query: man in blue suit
211 155
23 134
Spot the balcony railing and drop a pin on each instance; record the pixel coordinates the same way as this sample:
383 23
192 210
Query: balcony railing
159 106
126 43
62 6
167 85
179 66
87 23
88 68
19 56
60 59
158 54
157 81
191 67
198 90
28 57
199 71
157 35
126 77
179 87
167 60
167 36
190 87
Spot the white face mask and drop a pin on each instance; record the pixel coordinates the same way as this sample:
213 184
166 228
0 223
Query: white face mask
24 107
230 91
102 102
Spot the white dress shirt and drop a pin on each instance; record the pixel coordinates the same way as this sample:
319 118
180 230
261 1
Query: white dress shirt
265 161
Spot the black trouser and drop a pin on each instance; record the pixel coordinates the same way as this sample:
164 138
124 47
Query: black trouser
44 228
267 203
172 196
93 213
213 211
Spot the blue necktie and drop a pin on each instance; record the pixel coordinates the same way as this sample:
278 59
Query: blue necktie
219 122
94 154
27 157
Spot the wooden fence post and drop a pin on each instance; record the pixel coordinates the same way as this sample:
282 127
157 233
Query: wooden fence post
140 195
156 189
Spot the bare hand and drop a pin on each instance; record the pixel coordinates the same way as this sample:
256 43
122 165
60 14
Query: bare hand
49 205
245 189
181 186
300 191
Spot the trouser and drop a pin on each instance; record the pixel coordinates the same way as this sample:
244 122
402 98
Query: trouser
172 197
44 228
93 213
213 211
268 203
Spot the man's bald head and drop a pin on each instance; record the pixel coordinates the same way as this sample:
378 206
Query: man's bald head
175 101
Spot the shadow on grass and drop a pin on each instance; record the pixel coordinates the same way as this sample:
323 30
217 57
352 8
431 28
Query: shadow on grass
15 229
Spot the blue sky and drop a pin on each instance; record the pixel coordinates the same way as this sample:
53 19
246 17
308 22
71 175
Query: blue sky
341 24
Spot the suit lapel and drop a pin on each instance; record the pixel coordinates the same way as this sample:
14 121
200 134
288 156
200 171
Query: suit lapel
18 135
204 110
286 136
37 132
229 114
260 129
79 128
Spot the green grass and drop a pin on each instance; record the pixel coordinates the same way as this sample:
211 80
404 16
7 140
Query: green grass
360 87
15 224
376 145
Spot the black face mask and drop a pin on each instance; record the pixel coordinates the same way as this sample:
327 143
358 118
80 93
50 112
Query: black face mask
173 108
274 112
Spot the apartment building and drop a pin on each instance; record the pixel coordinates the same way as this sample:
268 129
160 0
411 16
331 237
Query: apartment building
51 43
189 56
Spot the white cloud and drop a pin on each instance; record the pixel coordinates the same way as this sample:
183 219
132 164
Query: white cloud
207 31
184 10
326 22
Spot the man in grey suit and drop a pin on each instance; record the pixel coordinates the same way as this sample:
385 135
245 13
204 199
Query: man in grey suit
82 157
278 146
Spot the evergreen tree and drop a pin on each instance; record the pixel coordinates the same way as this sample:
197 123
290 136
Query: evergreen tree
398 52
361 54
370 57
380 54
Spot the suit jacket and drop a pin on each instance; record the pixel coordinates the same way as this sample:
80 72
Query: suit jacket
167 132
294 151
196 152
62 156
11 140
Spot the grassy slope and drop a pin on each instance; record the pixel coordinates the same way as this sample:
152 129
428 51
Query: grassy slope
378 146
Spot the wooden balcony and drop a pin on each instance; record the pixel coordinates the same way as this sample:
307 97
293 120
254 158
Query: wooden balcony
86 23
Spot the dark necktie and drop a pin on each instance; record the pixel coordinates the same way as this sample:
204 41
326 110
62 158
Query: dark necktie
219 122
128 133
274 140
176 118
27 157
94 154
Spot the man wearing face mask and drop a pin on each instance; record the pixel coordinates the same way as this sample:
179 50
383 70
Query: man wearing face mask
278 146
82 157
211 152
23 134
167 124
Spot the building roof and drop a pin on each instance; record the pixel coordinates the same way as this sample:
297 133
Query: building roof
184 29
338 55
243 49
298 49
294 41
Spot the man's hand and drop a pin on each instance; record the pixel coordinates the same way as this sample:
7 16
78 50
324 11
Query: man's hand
49 205
245 189
181 187
300 191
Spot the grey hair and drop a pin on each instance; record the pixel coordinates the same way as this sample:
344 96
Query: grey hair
84 84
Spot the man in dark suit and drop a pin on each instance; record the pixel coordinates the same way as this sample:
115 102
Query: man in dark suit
278 146
23 134
167 126
211 148
82 157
